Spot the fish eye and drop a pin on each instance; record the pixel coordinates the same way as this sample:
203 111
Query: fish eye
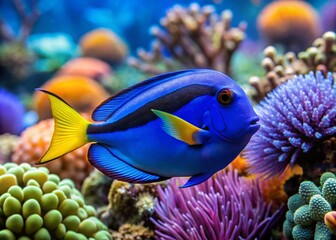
225 97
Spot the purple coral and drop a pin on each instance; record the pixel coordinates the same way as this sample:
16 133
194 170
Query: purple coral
294 117
11 113
224 207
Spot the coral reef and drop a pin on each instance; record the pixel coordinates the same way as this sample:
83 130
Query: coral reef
7 145
95 189
310 213
132 232
11 113
294 24
15 58
129 204
224 207
321 56
191 37
15 63
103 44
296 118
34 142
37 205
87 67
82 93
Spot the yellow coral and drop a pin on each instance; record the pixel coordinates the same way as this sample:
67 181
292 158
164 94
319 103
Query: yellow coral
83 94
103 44
34 142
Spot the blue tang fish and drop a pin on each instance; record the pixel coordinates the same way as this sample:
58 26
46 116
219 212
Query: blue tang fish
185 123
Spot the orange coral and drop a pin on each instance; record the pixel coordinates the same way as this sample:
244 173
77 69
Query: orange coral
273 188
294 24
34 142
241 165
83 94
86 67
103 44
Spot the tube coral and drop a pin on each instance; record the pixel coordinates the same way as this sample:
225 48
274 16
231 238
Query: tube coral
224 207
295 117
194 37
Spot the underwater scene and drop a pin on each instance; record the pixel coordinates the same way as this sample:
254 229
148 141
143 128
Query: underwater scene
186 120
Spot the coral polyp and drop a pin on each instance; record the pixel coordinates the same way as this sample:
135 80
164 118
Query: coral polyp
295 117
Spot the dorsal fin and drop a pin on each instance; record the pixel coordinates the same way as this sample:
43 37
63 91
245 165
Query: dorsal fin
105 110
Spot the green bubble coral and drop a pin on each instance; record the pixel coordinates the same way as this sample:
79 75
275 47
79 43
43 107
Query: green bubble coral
310 214
37 205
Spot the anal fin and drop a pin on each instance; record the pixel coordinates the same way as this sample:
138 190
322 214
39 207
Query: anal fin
106 162
197 179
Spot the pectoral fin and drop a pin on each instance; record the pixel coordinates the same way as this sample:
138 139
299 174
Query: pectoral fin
197 179
181 129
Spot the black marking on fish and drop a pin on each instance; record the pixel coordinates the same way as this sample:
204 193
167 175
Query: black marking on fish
170 102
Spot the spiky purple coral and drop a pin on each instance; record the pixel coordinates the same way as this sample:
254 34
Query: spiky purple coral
224 207
11 113
294 117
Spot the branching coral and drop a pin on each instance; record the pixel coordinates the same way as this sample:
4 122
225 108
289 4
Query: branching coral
280 68
310 213
37 205
224 207
191 37
34 142
27 23
295 24
296 118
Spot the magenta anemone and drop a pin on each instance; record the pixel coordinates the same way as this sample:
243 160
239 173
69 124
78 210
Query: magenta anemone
225 207
294 117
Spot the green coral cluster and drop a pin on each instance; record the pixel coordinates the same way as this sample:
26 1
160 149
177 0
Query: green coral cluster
307 208
37 205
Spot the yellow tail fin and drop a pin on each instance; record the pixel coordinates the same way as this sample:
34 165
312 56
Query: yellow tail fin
69 132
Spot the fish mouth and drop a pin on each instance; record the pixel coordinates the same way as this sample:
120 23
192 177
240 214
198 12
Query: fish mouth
254 125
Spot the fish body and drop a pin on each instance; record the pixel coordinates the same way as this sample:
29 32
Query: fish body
185 123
